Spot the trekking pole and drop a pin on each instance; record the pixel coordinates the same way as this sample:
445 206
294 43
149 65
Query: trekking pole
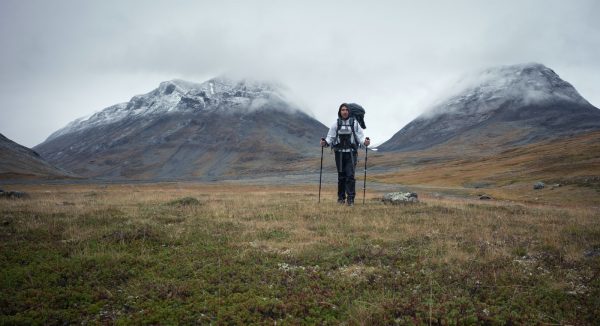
365 180
321 172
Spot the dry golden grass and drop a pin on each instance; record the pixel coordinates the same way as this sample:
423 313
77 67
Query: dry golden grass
431 254
507 174
559 159
294 209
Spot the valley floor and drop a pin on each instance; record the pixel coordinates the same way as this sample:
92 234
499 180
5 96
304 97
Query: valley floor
234 253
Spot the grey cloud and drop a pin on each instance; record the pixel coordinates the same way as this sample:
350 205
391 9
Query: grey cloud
60 60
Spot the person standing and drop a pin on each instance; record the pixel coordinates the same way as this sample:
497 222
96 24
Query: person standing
345 136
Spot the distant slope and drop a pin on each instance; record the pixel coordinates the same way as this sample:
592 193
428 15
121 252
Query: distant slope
504 106
18 162
181 130
572 160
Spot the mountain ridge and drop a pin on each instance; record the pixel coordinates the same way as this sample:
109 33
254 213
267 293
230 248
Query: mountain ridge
525 98
180 95
18 161
187 130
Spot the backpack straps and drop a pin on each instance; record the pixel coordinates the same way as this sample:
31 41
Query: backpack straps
351 122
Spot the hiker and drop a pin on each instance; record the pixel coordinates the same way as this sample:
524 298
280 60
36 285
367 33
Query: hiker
344 136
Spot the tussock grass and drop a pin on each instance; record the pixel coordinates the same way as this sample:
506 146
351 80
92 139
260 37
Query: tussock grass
186 201
257 254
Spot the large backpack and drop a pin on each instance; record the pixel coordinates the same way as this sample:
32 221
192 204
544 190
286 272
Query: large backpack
358 112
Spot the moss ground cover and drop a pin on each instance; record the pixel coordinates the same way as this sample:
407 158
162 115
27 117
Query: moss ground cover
187 253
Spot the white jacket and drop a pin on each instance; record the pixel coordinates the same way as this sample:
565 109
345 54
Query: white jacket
331 135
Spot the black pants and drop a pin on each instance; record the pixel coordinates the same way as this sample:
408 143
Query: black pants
346 164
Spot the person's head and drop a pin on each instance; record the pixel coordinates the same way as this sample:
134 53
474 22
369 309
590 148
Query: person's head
343 111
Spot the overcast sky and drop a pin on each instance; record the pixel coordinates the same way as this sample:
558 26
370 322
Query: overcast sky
60 60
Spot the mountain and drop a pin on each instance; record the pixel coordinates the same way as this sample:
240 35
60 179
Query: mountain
219 128
502 106
17 162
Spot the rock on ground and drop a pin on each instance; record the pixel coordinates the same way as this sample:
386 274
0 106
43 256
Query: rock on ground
396 198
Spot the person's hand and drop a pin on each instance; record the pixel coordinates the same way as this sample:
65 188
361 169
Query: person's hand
323 142
367 141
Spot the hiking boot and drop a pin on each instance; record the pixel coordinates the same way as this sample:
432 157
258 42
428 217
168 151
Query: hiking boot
341 201
350 202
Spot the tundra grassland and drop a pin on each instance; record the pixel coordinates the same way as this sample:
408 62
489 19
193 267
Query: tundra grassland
183 253
505 173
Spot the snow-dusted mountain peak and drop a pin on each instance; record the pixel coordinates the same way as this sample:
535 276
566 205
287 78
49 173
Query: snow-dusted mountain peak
218 88
176 85
524 84
516 104
243 87
221 93
531 77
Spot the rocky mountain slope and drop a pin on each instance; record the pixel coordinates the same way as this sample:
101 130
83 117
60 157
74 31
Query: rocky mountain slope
504 106
17 162
216 129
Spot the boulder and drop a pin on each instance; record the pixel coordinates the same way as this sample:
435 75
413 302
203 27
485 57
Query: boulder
539 185
396 198
485 197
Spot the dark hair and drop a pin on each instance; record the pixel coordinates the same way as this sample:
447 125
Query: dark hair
340 109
